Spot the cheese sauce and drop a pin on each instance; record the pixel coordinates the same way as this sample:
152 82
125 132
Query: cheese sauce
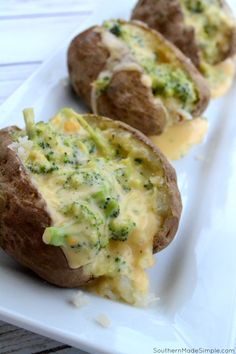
220 77
178 139
104 198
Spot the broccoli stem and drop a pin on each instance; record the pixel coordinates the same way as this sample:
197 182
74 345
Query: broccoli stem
109 204
29 122
56 236
97 138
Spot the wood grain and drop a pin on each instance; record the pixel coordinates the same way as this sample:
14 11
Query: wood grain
16 340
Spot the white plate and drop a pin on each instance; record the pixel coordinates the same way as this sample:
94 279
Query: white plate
194 276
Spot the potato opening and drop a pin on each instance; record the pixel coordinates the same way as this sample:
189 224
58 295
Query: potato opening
162 70
106 193
213 28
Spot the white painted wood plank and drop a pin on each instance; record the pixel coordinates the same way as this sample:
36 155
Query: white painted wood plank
18 72
9 8
34 39
12 76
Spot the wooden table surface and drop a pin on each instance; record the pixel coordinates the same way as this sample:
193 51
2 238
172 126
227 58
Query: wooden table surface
30 30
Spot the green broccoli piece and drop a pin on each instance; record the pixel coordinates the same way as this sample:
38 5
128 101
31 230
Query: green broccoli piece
109 204
122 178
56 236
97 138
116 30
29 122
196 6
121 229
102 84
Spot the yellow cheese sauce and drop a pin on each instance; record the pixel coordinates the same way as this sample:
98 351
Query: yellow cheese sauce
111 238
178 139
220 77
138 252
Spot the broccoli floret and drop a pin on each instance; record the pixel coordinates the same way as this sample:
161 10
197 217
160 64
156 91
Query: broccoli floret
122 177
121 229
85 231
109 204
196 6
116 30
89 178
42 169
83 212
114 27
102 84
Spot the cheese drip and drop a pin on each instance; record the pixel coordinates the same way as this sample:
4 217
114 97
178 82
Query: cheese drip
178 139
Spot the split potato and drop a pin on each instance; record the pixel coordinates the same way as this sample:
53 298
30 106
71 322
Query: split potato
86 199
205 31
127 71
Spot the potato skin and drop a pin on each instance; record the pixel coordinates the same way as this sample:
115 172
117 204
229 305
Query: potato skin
159 14
127 98
24 215
23 220
167 18
87 57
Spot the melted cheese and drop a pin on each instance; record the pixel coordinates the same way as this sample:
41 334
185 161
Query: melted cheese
177 140
137 252
220 77
120 265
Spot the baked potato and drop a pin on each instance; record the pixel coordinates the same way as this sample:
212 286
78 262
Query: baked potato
127 71
204 30
86 199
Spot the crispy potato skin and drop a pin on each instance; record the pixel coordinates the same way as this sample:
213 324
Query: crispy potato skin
23 219
159 14
24 215
127 98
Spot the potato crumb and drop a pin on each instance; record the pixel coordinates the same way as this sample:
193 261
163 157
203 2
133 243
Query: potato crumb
79 299
103 321
146 301
22 147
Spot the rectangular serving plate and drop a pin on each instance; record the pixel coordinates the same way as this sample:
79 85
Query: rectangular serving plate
194 277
